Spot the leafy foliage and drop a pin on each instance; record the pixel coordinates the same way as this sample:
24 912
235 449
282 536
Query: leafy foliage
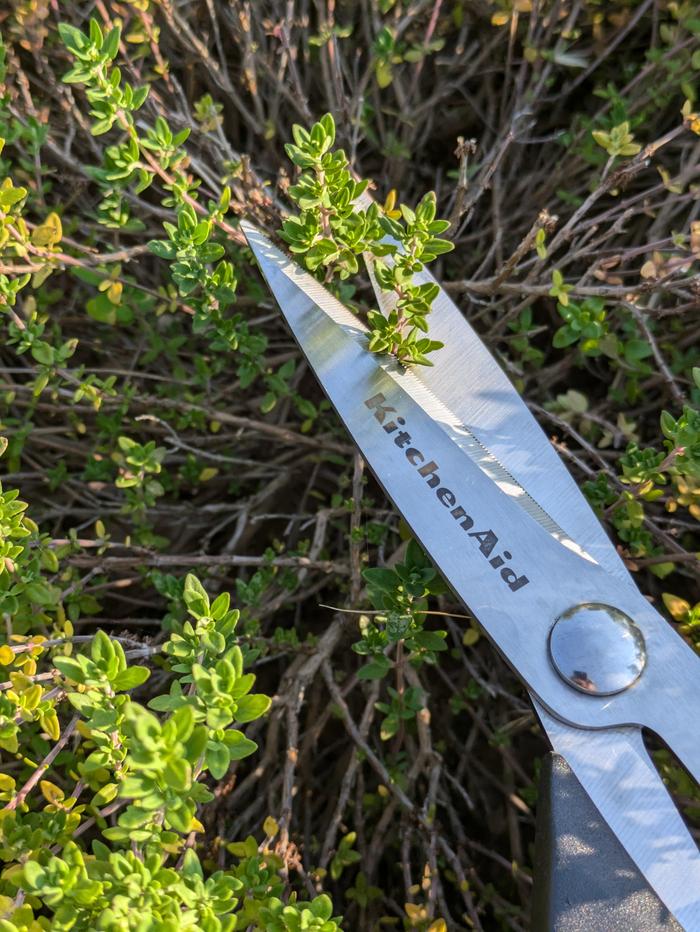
165 430
333 230
146 769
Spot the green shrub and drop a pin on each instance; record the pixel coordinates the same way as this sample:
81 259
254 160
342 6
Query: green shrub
141 775
165 430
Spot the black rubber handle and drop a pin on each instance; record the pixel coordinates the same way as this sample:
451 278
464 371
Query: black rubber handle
584 880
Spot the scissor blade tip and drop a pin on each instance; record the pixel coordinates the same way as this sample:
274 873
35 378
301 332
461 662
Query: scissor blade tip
247 228
258 243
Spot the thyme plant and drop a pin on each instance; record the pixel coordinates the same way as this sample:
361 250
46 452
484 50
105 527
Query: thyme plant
332 230
162 425
102 832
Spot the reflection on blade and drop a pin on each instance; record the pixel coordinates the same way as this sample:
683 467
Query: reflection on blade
615 770
479 395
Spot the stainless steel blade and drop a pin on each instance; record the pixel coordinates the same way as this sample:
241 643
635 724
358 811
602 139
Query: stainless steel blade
479 395
518 603
612 765
615 770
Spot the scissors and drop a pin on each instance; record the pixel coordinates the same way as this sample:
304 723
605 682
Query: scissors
481 487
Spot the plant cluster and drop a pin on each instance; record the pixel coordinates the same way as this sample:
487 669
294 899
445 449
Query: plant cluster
136 778
645 474
394 635
333 230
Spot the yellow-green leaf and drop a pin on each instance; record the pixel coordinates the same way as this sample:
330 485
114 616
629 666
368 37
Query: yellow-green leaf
50 231
7 655
678 607
49 722
51 792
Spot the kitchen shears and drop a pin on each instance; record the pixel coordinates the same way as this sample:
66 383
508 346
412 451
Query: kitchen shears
482 488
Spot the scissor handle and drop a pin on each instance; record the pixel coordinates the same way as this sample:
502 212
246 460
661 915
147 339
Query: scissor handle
584 879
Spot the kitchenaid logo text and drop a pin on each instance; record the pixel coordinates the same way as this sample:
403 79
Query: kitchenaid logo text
428 470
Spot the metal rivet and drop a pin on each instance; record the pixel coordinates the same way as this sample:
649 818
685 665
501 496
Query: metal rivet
597 649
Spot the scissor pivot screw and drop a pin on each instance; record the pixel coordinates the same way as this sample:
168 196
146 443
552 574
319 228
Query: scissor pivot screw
597 649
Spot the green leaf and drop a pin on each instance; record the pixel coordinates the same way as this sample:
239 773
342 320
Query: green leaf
201 232
431 640
102 649
10 196
211 252
43 353
100 127
130 678
105 795
177 774
636 350
70 667
218 759
136 786
376 669
183 722
668 424
220 605
383 73
33 874
328 124
301 136
322 907
73 39
134 817
238 745
564 336
436 227
41 593
191 866
383 579
166 703
438 247
111 43
252 707
162 249
416 556
196 597
140 95
96 36
268 402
